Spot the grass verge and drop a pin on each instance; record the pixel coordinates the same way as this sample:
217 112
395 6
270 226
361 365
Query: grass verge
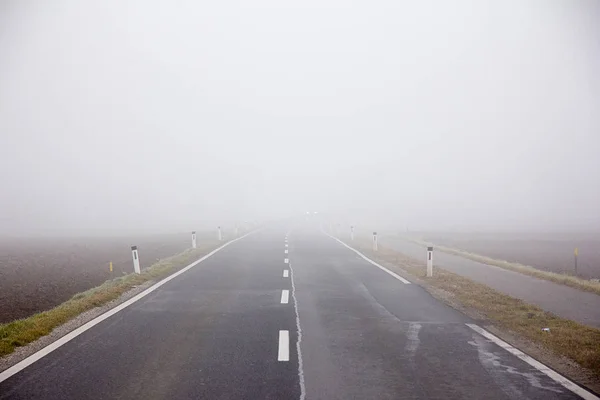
564 279
566 338
23 331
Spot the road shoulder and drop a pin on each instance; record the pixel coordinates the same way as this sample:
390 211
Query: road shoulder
445 287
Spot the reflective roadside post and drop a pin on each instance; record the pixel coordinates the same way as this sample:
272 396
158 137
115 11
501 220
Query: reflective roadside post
193 239
352 232
136 259
375 241
219 233
430 261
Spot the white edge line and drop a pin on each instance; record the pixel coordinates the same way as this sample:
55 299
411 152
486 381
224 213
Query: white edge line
284 346
285 296
4 375
286 260
401 279
299 340
286 273
555 376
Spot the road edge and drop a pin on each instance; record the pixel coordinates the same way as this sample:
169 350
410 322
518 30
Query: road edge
115 308
578 389
381 267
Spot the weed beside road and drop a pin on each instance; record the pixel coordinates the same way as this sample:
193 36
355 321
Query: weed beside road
38 274
566 338
568 280
26 330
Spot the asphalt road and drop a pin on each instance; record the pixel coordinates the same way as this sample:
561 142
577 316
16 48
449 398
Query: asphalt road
215 332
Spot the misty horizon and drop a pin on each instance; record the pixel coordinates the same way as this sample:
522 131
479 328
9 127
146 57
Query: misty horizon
120 118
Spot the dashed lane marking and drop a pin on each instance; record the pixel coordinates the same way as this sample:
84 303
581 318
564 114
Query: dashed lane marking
284 346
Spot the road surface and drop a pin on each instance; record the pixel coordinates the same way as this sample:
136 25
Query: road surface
231 328
564 301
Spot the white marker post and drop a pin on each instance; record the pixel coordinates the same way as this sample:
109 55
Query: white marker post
219 233
430 261
193 239
375 241
352 232
236 230
136 259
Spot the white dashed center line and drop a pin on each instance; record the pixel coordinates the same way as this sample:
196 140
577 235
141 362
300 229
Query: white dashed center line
286 251
286 273
284 346
285 296
286 260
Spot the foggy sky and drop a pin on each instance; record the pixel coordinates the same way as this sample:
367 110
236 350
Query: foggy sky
159 116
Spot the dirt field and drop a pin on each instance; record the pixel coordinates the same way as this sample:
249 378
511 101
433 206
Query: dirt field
38 274
549 252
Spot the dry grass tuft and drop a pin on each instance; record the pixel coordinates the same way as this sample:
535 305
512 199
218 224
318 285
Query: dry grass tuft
566 338
568 280
23 331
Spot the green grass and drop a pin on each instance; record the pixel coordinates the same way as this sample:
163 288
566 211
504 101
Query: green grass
568 280
23 331
566 338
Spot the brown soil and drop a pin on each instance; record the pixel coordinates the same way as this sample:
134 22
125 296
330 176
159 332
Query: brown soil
38 274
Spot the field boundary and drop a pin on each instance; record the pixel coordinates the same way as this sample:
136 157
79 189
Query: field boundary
568 347
563 279
24 331
39 273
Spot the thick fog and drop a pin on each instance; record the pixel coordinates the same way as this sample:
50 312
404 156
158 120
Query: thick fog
119 116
